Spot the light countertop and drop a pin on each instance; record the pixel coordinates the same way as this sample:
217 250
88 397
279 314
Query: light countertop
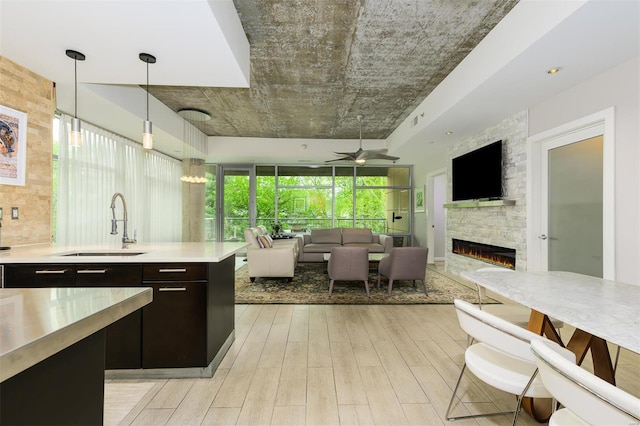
149 253
40 322
604 308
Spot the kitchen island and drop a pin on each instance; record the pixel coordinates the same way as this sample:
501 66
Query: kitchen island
189 326
52 351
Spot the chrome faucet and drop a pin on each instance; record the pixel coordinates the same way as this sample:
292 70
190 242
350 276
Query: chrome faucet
114 222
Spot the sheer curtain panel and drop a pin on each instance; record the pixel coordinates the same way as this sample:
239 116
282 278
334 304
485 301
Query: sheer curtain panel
106 163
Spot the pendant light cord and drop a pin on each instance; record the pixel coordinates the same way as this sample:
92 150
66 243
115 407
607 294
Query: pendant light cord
147 91
75 80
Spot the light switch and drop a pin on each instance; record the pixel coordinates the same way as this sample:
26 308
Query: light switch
15 213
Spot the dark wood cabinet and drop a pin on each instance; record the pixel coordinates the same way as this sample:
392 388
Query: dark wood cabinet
173 326
186 325
220 305
124 337
30 275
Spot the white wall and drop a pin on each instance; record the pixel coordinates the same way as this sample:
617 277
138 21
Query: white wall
618 87
420 170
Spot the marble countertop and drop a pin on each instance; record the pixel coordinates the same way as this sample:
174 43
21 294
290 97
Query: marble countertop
604 308
149 253
39 322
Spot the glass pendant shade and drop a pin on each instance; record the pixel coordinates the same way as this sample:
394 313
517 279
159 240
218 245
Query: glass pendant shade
75 137
147 135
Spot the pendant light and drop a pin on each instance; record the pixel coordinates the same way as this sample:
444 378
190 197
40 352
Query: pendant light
195 146
75 138
147 134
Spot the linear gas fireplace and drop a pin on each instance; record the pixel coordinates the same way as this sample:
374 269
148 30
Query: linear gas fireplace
501 256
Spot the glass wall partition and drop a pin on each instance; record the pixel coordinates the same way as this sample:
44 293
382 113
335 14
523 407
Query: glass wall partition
293 198
210 204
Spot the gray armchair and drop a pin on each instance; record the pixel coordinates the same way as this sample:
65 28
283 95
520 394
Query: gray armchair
404 263
349 263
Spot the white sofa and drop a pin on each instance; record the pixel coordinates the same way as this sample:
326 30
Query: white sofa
271 258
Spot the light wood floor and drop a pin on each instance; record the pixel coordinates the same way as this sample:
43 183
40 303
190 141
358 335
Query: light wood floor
329 365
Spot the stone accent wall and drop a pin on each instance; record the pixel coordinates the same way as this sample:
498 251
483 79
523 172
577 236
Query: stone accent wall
28 92
504 226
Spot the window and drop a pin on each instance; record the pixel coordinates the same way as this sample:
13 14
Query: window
86 178
302 198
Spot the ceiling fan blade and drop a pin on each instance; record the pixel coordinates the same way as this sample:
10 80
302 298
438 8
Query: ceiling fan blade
339 159
383 157
346 154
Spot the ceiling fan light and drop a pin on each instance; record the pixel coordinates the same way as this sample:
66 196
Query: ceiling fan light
360 161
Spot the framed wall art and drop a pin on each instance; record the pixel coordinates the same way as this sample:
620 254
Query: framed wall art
418 203
13 146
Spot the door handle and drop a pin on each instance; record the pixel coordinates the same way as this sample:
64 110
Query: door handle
542 237
172 289
394 217
171 270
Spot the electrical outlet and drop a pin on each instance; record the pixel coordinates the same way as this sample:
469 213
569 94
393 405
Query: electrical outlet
15 214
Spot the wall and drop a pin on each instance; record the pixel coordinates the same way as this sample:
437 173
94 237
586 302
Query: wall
435 160
617 87
25 91
504 226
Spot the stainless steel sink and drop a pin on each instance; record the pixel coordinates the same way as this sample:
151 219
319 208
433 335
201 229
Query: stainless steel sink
102 253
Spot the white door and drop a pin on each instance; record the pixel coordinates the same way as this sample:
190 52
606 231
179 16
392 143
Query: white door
571 205
574 225
436 197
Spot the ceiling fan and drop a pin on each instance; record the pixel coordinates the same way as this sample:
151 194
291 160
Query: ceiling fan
361 156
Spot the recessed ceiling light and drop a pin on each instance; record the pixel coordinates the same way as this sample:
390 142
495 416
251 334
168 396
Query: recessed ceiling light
553 70
193 114
449 133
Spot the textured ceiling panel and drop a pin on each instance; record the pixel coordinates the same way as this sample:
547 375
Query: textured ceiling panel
317 64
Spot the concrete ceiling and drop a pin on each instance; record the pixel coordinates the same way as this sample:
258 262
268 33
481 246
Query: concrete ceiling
285 80
317 64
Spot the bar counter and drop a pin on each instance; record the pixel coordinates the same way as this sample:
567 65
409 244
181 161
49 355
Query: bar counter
52 351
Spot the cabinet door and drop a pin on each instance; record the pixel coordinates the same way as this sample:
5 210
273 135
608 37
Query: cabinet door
175 272
124 337
174 326
24 275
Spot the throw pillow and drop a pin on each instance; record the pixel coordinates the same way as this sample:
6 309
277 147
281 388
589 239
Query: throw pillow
264 241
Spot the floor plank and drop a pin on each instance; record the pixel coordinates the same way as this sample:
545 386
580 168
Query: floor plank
331 365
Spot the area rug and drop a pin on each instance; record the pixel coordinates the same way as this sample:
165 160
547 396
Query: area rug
310 285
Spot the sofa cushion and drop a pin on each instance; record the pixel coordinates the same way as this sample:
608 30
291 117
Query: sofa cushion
356 236
323 236
320 248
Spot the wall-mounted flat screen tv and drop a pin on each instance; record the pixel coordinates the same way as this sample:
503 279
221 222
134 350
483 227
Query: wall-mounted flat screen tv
477 175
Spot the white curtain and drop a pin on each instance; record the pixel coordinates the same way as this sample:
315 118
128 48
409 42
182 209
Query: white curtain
106 163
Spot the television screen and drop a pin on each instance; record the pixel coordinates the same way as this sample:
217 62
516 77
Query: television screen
478 174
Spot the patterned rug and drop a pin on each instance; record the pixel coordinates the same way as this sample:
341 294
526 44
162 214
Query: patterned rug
310 285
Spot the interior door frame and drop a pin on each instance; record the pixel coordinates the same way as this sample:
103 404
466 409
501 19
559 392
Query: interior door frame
599 123
430 212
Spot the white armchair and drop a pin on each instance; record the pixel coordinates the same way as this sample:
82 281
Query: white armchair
267 260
